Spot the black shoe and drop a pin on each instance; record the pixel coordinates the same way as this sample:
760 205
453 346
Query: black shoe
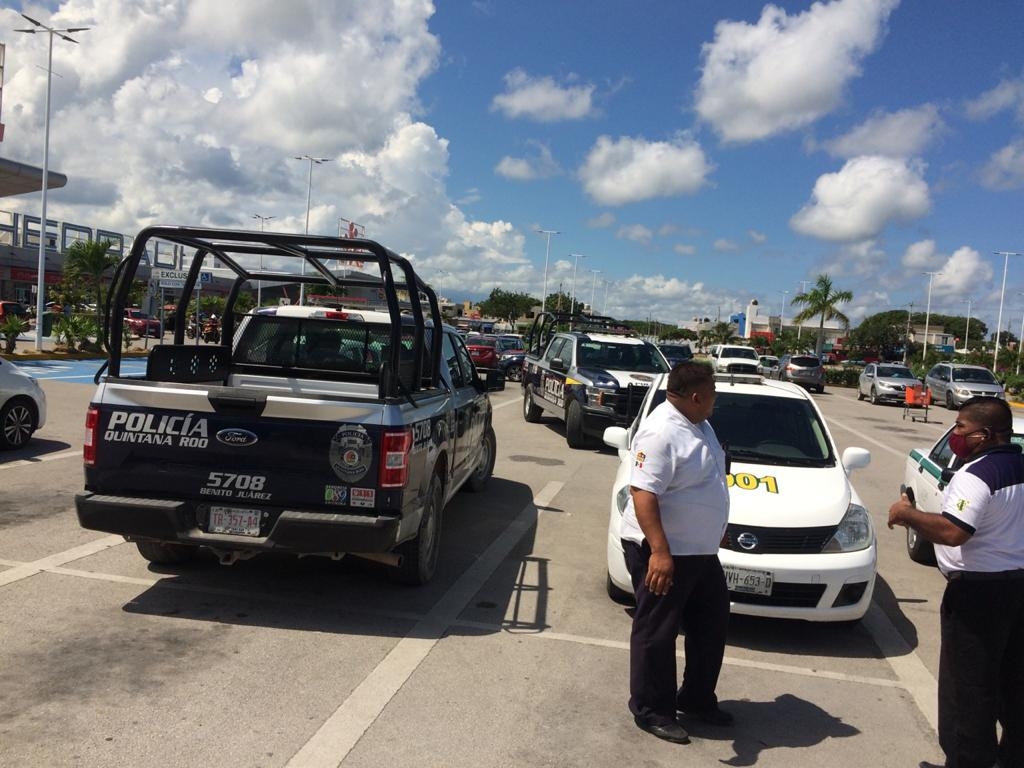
713 716
671 731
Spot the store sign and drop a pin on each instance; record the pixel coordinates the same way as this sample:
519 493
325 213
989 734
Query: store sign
175 278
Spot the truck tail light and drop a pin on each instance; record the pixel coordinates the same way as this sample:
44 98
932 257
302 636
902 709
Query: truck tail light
92 420
394 458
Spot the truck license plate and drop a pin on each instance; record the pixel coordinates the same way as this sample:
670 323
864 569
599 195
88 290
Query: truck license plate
239 522
747 581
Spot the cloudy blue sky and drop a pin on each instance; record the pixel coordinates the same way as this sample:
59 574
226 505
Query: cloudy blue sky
698 154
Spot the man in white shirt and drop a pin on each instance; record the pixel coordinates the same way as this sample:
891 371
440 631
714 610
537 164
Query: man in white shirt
979 538
671 530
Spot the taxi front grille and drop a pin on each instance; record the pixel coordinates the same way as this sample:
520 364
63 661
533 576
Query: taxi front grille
777 541
784 595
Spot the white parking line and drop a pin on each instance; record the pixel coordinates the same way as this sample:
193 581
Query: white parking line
26 570
69 454
331 744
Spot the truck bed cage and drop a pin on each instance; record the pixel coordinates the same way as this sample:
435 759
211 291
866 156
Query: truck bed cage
400 292
546 324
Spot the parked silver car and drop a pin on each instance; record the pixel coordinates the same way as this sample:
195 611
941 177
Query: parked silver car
802 369
955 383
22 406
884 382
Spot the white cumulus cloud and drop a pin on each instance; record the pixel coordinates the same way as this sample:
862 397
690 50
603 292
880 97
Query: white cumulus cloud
904 133
542 99
785 72
862 198
628 170
1005 168
962 273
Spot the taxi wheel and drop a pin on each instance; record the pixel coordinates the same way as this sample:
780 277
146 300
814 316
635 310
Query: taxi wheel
531 411
419 556
574 434
165 554
919 550
478 480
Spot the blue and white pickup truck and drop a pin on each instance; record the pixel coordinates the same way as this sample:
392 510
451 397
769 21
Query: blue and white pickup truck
336 429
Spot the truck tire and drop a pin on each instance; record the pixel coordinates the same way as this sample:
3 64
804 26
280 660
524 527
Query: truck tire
165 554
419 555
485 467
17 422
574 434
531 411
919 550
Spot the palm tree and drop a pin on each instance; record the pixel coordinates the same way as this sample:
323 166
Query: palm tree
88 260
723 332
821 302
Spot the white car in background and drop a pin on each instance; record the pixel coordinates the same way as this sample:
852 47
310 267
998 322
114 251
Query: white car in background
799 543
22 406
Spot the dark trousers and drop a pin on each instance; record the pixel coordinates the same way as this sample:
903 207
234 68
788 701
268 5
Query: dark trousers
981 673
697 603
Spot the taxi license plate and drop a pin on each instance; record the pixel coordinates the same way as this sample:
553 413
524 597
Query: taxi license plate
238 522
748 581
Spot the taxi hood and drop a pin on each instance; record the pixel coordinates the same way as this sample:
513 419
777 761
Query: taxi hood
791 497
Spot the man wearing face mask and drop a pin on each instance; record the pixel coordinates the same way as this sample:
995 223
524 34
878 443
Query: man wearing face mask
979 538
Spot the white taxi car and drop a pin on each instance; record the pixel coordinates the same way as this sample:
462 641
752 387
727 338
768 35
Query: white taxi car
799 543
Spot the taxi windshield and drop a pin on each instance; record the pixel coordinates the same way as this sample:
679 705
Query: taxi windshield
771 430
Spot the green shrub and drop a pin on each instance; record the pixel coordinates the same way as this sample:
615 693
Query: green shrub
842 376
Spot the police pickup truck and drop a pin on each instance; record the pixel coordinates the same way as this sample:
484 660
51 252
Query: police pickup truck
342 428
593 374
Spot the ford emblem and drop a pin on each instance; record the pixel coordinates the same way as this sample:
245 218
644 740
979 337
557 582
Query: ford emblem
235 436
747 540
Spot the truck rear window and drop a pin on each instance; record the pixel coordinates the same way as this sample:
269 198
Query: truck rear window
316 344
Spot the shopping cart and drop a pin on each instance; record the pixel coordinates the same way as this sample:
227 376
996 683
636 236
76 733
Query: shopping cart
917 396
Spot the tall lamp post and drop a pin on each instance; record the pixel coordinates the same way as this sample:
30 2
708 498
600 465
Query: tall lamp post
1020 338
604 307
575 261
63 34
928 312
782 311
309 193
967 331
259 283
1006 262
547 253
593 287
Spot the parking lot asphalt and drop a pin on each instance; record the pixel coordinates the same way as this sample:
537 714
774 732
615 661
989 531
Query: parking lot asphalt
513 656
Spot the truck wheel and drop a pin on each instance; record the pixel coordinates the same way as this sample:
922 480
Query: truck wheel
860 395
574 434
165 554
920 551
17 423
485 468
531 411
419 555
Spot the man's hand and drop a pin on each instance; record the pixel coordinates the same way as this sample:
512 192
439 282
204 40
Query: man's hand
898 511
659 573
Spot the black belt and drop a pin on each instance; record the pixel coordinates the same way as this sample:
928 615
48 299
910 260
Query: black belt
1017 573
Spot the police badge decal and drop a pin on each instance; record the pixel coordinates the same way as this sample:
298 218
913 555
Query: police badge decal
351 453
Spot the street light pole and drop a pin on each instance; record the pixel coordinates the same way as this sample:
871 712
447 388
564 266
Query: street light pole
906 337
593 286
604 307
1006 262
928 312
1019 338
41 274
967 330
547 253
782 311
576 260
309 193
259 283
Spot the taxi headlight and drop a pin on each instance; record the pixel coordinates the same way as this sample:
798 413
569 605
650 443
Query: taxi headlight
854 531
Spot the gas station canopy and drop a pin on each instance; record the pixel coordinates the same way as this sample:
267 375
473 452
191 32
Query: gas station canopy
19 179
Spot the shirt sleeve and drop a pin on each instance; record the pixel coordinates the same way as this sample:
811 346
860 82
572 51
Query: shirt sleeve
652 462
965 500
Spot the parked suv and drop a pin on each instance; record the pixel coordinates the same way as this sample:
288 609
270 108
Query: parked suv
885 381
954 384
802 369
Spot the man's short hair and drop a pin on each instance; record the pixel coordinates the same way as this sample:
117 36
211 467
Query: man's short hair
990 412
688 376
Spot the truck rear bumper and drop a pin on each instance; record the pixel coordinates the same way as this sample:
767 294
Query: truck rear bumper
285 530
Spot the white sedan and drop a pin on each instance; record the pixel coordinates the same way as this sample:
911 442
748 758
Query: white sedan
799 543
22 406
